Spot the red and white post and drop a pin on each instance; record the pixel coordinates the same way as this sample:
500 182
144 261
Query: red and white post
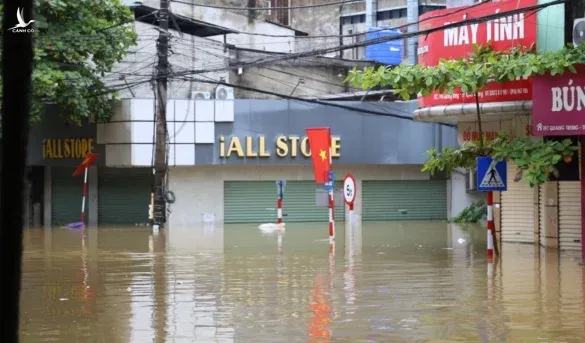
331 205
279 210
490 231
84 196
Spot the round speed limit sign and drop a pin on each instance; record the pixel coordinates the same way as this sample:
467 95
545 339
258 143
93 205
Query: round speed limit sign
349 189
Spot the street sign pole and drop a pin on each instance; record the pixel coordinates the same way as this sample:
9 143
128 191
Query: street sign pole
330 187
349 192
280 186
491 176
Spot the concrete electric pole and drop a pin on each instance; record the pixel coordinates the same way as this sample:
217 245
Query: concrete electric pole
160 150
412 19
371 14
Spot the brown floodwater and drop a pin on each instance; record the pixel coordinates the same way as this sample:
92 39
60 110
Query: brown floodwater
385 282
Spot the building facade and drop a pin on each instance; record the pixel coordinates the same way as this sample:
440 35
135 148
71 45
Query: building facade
224 161
547 215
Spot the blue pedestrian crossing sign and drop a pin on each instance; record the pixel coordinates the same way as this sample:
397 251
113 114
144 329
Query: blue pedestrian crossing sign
491 175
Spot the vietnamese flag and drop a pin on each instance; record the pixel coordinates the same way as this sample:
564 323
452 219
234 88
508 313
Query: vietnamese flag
87 162
320 143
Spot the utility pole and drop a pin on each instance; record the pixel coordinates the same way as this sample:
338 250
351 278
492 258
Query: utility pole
371 14
412 19
371 20
160 150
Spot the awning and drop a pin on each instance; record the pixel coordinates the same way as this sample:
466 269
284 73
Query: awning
491 111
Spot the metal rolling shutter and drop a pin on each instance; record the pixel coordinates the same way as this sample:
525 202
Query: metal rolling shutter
66 196
422 200
124 195
570 215
253 201
541 209
517 210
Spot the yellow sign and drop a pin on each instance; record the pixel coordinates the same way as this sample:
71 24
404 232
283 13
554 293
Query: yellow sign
74 148
284 146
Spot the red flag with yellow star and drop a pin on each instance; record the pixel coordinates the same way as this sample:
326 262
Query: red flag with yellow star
320 143
86 163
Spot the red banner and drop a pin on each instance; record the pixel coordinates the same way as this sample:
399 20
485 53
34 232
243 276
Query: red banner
320 143
457 42
558 104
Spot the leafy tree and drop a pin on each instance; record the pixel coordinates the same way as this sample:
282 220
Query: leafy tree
76 43
535 159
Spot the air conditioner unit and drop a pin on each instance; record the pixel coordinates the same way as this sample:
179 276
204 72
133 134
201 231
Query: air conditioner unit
224 93
471 180
578 31
199 95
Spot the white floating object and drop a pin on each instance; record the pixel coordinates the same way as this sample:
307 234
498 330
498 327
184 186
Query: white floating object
271 227
460 241
63 299
129 289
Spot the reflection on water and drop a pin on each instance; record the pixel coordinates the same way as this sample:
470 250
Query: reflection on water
382 282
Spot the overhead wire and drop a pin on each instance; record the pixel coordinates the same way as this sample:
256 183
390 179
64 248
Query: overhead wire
305 100
288 57
404 26
336 3
284 96
317 52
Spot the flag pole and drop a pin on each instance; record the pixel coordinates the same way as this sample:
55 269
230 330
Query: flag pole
84 196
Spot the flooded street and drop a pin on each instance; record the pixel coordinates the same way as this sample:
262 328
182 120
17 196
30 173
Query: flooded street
385 282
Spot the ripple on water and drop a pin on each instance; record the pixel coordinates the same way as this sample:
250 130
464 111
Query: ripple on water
395 282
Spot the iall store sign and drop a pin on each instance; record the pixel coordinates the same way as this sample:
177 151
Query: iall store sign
457 42
559 104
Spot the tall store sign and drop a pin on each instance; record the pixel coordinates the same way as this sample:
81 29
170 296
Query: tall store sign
558 107
457 42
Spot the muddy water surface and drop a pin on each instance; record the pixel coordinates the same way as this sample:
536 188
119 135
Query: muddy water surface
385 282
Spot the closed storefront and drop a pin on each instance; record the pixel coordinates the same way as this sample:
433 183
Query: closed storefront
541 214
517 210
404 200
124 195
255 202
66 196
570 215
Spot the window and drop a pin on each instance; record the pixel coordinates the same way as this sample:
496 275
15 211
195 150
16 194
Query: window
281 16
425 9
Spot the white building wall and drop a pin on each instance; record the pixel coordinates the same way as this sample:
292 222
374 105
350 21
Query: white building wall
199 190
459 198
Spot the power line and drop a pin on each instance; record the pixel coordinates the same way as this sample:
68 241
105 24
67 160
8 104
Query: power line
369 42
337 3
404 26
95 35
317 52
312 101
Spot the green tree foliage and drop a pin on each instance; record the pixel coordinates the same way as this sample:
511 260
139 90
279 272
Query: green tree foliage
472 213
76 43
535 159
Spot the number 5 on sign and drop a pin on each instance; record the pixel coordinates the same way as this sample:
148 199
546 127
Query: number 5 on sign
349 190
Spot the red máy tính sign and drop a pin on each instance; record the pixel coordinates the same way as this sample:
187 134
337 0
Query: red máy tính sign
457 42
